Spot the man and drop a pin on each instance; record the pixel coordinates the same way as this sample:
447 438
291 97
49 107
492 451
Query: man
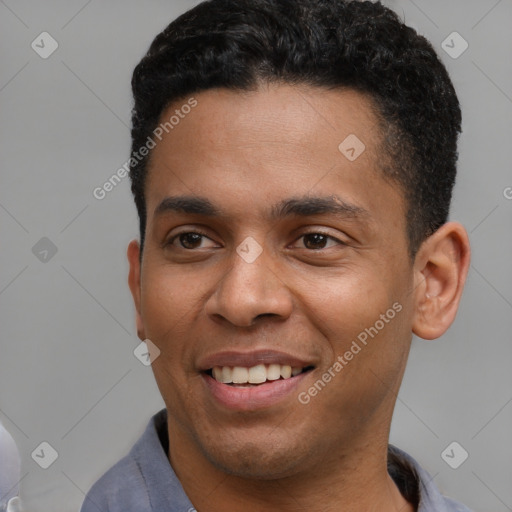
292 167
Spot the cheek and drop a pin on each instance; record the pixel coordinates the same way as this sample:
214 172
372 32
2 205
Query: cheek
169 307
169 299
368 330
170 303
364 319
344 303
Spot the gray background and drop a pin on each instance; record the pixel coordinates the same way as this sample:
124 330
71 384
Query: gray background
68 375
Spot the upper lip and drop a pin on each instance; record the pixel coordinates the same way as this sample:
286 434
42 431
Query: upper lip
253 358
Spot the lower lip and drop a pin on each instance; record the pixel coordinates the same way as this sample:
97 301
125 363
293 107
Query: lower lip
256 397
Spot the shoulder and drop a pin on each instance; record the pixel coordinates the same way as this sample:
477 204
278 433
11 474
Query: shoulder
126 486
121 485
417 485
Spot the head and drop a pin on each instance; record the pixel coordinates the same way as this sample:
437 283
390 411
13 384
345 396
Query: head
294 212
333 44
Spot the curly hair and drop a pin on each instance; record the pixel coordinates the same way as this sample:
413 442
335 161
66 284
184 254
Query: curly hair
330 44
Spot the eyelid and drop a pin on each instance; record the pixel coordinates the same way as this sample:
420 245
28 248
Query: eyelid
320 231
313 231
168 241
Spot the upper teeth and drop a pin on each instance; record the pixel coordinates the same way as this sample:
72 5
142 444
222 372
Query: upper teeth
254 375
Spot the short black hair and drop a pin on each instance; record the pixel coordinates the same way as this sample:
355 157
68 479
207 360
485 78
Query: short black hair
330 44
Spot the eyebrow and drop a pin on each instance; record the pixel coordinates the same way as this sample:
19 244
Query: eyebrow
308 206
187 204
305 206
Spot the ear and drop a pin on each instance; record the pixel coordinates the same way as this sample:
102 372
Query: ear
440 269
133 254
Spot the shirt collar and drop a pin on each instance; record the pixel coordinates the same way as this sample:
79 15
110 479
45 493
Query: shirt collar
166 493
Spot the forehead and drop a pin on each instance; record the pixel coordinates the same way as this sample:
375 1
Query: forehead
275 116
247 149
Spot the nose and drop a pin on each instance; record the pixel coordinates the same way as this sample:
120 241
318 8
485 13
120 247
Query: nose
248 291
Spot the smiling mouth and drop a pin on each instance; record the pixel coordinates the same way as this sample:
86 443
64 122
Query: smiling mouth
239 376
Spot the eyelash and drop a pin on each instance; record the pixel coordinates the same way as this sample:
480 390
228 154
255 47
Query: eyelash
197 232
193 232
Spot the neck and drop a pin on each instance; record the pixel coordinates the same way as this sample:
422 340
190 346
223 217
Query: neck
357 479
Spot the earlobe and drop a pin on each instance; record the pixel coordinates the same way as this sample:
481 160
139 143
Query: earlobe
134 283
440 268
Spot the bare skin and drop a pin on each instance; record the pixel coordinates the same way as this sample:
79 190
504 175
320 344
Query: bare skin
307 296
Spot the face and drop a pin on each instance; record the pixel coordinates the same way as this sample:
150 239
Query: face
269 251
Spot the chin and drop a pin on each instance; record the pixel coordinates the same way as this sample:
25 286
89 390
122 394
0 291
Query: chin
266 458
252 463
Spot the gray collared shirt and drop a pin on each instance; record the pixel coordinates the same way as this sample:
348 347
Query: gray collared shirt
144 481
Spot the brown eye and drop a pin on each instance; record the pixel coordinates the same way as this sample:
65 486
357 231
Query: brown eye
316 241
190 240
